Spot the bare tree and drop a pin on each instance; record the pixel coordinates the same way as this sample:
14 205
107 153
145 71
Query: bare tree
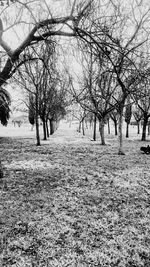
96 86
37 29
142 94
110 35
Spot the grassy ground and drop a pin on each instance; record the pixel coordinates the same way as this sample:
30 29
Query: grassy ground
72 202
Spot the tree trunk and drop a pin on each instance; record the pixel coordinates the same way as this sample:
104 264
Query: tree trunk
44 130
94 129
108 126
120 124
79 129
101 130
47 130
51 122
38 143
138 128
149 128
116 129
127 130
83 130
144 127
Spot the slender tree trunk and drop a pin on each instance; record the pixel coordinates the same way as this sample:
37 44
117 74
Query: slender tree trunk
144 127
127 130
51 122
44 130
38 143
47 130
149 128
79 129
83 129
138 128
120 124
101 130
116 125
108 126
94 129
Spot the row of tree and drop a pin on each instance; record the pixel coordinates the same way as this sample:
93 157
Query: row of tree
111 44
133 115
43 86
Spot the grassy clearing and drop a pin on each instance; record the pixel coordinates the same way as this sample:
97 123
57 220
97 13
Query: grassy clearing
74 203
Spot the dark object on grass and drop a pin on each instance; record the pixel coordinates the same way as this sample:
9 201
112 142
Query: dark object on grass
146 150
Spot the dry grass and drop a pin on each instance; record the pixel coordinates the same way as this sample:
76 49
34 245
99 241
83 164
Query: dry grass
73 202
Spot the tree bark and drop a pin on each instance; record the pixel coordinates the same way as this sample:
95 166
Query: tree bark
94 129
44 130
138 128
38 143
148 128
47 130
79 129
120 124
83 130
101 130
116 129
127 130
52 130
108 126
145 121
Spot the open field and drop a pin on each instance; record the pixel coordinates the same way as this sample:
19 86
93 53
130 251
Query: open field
72 202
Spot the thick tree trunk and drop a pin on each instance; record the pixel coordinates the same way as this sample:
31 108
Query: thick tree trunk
101 130
127 130
120 124
52 129
94 129
44 130
145 121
